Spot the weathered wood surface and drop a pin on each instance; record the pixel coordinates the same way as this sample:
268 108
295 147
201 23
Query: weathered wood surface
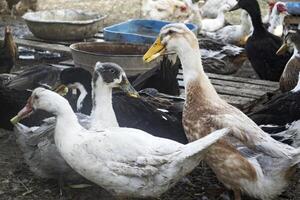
291 19
42 45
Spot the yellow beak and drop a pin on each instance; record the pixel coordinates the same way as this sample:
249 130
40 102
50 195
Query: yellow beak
284 47
155 51
61 89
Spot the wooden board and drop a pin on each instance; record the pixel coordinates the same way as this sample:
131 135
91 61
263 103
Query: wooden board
42 45
291 19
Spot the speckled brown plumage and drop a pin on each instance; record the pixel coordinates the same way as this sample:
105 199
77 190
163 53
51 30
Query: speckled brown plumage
289 77
223 158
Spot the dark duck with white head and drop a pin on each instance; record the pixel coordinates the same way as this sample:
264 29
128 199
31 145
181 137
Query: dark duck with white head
261 47
289 77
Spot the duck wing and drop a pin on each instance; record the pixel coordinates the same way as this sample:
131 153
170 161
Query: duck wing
34 77
140 114
137 153
245 130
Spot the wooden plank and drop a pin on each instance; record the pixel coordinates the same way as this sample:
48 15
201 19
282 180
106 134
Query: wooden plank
252 89
42 46
33 38
241 92
239 79
291 19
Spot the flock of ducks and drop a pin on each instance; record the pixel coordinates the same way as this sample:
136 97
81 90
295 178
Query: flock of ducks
140 144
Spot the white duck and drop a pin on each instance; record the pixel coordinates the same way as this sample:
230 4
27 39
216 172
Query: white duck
277 16
234 34
211 25
211 7
164 9
125 161
266 18
263 175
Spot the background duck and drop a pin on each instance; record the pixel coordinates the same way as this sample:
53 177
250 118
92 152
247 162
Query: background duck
289 77
205 111
8 52
278 13
280 110
266 18
34 77
234 34
164 9
261 46
211 25
211 7
152 165
219 57
15 92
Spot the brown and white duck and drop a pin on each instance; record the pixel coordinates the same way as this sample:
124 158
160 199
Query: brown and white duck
289 77
251 161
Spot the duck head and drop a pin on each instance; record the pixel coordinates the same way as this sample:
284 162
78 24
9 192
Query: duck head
292 37
281 8
164 9
173 37
248 5
40 99
112 76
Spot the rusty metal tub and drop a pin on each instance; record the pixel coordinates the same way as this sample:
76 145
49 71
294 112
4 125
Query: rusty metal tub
65 24
128 56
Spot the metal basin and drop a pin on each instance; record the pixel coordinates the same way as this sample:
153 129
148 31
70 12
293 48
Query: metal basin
128 56
63 24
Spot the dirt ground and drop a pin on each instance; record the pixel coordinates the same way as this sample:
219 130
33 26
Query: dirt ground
18 183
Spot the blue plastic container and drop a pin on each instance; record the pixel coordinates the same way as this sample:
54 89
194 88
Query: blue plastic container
293 8
138 31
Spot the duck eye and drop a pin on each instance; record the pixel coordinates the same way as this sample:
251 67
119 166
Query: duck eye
171 32
36 97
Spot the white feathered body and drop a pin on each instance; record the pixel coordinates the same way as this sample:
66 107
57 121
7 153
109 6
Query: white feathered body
125 161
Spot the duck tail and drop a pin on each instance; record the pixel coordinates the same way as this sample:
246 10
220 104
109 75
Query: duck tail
199 145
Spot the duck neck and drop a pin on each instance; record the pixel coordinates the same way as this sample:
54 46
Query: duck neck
194 75
255 15
296 52
102 115
67 125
